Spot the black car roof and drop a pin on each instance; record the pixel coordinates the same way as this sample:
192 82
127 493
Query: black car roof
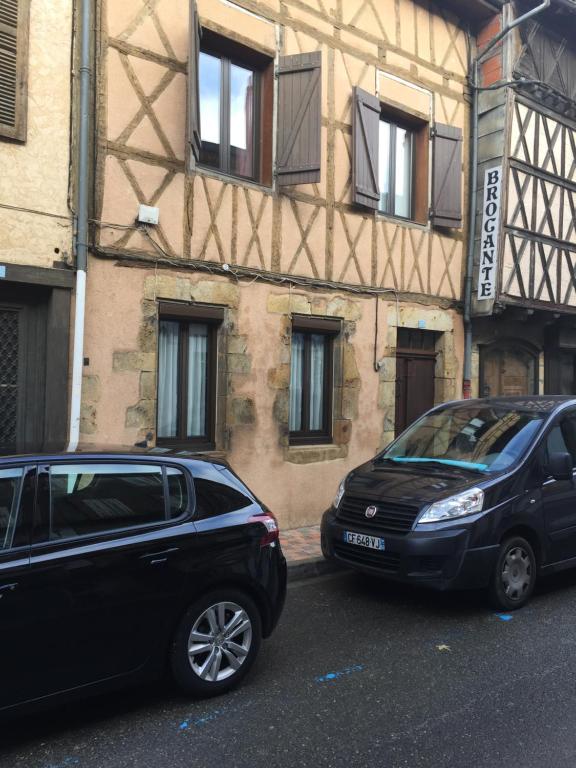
534 403
59 451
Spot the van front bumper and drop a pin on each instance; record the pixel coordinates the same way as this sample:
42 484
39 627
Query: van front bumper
439 559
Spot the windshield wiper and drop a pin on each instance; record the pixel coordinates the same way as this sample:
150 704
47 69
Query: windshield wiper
468 465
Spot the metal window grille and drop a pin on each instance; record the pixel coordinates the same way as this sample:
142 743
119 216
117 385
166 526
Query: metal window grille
8 375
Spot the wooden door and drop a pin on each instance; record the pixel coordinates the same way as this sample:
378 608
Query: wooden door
414 387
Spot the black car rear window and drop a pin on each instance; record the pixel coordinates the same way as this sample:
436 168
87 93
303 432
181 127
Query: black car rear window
218 491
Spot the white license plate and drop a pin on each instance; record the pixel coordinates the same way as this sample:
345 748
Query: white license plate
363 540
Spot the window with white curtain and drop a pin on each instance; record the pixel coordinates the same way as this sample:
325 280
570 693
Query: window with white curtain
186 381
310 417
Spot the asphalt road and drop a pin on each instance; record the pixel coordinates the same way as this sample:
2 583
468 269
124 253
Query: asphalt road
356 675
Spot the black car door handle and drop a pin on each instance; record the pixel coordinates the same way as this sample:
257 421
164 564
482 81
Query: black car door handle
7 588
155 558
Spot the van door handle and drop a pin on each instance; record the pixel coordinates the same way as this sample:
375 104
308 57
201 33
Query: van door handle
7 588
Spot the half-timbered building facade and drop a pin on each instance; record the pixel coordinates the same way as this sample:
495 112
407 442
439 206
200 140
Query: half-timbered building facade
278 230
525 318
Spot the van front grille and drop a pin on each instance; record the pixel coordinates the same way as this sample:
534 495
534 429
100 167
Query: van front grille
389 517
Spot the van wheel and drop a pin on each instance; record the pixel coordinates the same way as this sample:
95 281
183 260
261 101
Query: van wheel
514 575
216 642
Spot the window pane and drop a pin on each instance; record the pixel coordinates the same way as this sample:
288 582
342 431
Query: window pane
384 149
317 348
92 498
197 376
210 77
9 490
241 121
403 174
168 379
177 492
296 374
217 492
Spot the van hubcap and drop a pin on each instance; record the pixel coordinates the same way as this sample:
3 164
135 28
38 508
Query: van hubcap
516 573
219 641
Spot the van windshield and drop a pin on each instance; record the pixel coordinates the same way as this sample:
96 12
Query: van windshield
481 438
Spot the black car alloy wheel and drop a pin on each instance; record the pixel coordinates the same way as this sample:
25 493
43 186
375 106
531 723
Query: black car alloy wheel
514 576
216 642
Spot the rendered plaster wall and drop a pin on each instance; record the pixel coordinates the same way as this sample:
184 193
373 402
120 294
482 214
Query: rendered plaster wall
119 405
34 174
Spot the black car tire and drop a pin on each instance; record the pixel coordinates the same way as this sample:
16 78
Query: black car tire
514 574
185 668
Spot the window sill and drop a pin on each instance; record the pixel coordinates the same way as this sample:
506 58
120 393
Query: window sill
410 223
314 454
211 173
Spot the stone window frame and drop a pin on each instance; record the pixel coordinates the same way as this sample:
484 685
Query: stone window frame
213 317
330 328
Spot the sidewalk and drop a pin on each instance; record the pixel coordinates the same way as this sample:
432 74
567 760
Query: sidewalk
301 547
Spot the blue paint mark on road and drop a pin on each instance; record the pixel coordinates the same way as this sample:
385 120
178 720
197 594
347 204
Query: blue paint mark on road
504 616
332 676
68 761
208 718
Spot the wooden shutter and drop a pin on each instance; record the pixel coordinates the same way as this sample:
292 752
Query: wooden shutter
14 16
299 119
195 34
365 135
446 176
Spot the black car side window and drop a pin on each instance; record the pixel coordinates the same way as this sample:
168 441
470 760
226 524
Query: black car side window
218 492
10 487
94 498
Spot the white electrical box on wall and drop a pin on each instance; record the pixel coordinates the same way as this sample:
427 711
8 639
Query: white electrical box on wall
147 214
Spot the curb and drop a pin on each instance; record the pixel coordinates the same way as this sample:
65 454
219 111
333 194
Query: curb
308 569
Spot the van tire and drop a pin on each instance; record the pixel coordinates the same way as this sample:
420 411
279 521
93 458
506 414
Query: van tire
514 575
223 604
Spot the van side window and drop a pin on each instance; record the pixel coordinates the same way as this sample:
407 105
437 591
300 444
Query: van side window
10 483
562 438
94 498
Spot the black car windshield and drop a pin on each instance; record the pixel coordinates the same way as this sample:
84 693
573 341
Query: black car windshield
481 438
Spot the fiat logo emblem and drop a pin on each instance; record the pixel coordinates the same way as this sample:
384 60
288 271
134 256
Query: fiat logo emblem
370 511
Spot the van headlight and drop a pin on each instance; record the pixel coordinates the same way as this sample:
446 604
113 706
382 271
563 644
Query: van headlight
466 503
339 494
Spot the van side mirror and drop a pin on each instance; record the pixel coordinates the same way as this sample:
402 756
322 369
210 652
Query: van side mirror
560 465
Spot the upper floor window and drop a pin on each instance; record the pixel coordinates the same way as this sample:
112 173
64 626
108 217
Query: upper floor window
187 374
228 115
396 171
14 23
235 88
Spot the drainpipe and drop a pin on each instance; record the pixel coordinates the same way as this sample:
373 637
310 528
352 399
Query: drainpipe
82 223
473 192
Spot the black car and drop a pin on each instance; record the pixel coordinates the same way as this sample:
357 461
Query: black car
118 566
476 493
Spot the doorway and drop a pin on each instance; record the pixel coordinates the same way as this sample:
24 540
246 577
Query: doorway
415 375
508 368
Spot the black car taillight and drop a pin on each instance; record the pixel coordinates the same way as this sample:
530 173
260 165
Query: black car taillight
271 532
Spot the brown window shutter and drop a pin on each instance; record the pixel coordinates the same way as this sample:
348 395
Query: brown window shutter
299 119
14 16
446 176
365 135
195 34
